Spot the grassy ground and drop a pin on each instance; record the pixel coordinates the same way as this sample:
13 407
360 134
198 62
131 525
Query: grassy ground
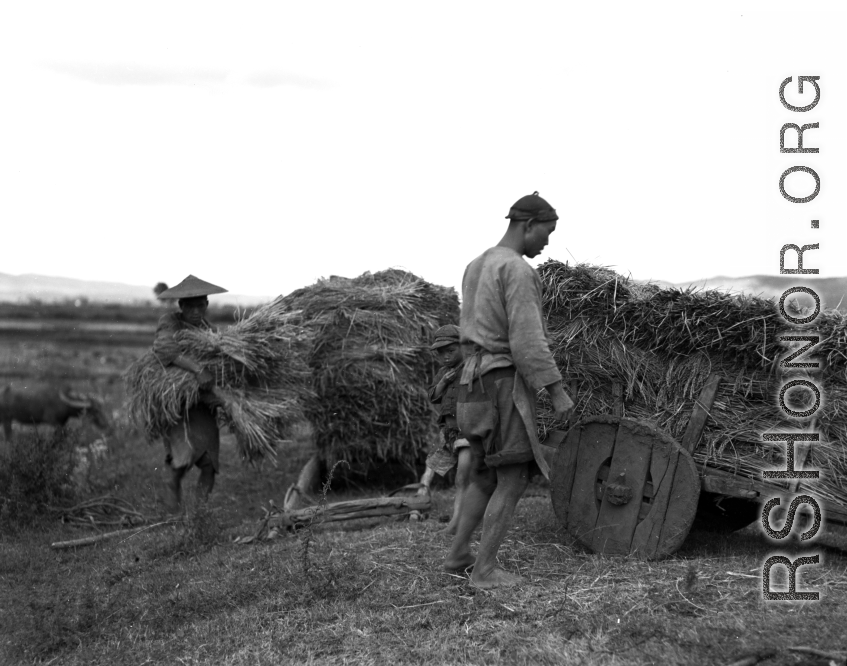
186 594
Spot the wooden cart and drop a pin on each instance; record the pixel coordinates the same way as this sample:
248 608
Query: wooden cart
621 486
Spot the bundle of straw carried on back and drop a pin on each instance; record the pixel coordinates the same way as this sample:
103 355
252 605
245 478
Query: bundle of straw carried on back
371 364
661 345
261 380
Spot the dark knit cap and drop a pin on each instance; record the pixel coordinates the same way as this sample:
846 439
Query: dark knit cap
446 335
532 206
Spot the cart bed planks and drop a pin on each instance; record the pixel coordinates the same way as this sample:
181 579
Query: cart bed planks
590 448
628 474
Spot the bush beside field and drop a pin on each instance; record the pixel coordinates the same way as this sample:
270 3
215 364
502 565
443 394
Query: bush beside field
35 473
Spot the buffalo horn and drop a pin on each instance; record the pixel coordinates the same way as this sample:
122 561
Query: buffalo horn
74 400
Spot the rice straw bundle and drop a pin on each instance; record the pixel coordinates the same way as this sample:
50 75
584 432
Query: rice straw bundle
661 345
261 418
260 376
157 396
371 364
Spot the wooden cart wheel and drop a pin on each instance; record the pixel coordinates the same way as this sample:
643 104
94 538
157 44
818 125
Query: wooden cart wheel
621 486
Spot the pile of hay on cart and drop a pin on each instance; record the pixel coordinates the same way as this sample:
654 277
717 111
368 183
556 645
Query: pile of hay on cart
371 365
661 345
261 380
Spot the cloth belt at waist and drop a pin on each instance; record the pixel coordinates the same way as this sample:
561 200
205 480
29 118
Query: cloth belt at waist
522 395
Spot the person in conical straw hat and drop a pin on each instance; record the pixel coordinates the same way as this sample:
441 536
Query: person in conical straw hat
507 359
195 440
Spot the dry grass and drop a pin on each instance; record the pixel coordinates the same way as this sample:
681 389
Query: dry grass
371 364
378 596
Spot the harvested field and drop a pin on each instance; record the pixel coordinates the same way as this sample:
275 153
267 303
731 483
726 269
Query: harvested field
378 596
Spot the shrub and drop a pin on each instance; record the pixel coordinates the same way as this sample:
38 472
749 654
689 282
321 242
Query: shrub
197 531
202 530
36 473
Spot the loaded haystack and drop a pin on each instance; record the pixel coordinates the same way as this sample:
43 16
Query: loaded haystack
261 380
371 364
656 348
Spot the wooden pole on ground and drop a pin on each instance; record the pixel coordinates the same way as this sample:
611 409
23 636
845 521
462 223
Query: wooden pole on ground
97 538
351 510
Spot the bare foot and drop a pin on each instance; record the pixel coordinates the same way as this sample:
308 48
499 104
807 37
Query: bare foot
460 565
495 578
450 530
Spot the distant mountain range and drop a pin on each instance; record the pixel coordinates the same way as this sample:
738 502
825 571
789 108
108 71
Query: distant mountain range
832 291
21 288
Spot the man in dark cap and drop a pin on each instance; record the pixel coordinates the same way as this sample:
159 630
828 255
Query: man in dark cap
195 440
507 359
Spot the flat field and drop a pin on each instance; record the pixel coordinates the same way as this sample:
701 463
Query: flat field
184 593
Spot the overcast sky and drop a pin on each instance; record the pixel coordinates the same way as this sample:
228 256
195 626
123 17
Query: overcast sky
261 146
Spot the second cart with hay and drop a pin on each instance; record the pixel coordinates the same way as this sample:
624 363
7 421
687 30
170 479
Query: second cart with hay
675 390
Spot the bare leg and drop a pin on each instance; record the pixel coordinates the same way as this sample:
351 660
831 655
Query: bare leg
512 480
207 477
174 485
426 480
483 482
463 472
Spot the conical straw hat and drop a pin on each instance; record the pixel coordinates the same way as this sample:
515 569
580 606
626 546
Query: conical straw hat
191 287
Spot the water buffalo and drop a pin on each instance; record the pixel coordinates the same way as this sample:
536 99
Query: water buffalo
47 405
